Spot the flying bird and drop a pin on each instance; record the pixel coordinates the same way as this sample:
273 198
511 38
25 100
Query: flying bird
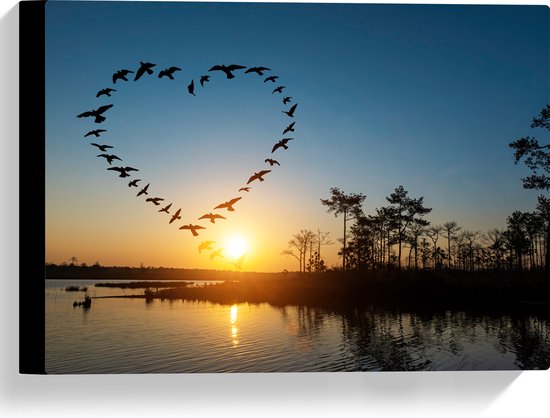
123 170
287 100
106 92
165 209
291 111
154 200
244 189
133 183
229 204
278 89
259 70
206 245
175 216
192 228
96 132
121 75
96 113
271 78
204 78
191 88
143 191
289 128
271 161
169 72
227 69
145 68
212 217
102 148
281 143
258 176
217 253
110 157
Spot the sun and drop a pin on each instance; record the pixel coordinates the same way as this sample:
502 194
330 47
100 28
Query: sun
236 247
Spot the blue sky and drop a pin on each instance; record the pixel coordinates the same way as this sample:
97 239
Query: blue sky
427 97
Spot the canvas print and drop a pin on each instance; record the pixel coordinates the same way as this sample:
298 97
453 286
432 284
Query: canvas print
279 187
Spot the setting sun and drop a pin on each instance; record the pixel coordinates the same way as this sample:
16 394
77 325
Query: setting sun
236 247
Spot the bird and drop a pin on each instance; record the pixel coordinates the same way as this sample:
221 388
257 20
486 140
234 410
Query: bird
143 191
259 70
206 245
102 148
258 176
227 69
106 92
287 100
239 262
278 89
123 170
96 132
289 128
271 161
192 228
271 78
229 204
154 200
175 216
212 217
291 111
133 183
110 157
191 88
244 189
169 72
217 253
204 79
165 209
96 113
281 143
144 68
121 75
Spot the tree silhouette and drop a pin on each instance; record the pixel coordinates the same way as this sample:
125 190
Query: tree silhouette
451 228
299 245
349 205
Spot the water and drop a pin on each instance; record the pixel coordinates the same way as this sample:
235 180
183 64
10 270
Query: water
174 336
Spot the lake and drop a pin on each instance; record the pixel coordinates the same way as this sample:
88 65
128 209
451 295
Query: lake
124 335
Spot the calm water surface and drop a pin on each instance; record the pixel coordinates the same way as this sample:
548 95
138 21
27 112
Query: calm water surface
175 336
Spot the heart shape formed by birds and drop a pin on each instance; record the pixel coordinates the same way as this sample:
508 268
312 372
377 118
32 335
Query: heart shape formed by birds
147 69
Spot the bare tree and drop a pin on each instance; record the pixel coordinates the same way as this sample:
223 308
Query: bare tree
451 228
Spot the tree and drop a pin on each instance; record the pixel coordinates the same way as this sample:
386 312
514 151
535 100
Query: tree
349 205
451 228
299 245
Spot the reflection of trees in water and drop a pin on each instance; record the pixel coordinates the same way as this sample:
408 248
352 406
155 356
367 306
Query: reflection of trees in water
531 341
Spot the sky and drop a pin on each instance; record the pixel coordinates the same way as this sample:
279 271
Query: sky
424 96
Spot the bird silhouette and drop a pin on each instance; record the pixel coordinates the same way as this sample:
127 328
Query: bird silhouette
271 78
287 100
96 113
175 216
259 70
227 69
123 170
289 128
191 88
204 79
206 245
229 204
192 228
217 253
258 176
278 89
155 200
244 189
291 111
134 183
240 260
212 217
106 92
165 209
271 161
110 157
143 191
121 75
144 68
102 148
169 72
281 143
96 132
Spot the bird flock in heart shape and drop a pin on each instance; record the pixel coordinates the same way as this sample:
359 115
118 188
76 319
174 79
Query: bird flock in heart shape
146 69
